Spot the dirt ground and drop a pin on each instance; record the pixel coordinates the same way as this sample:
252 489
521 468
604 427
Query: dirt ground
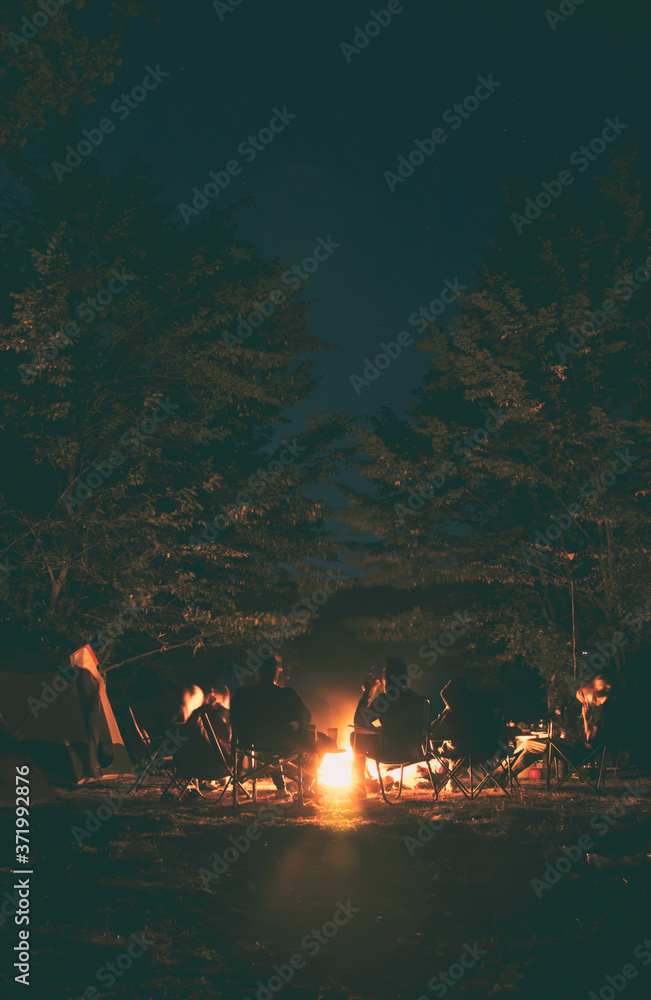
415 888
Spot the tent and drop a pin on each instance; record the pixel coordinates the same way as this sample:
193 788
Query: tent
60 715
12 757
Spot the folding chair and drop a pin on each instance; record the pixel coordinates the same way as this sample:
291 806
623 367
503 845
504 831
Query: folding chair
150 749
265 758
477 758
415 749
200 760
580 759
226 763
491 757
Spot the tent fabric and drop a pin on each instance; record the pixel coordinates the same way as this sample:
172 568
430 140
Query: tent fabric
62 717
12 757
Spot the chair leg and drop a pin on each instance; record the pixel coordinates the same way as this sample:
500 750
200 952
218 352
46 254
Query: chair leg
381 780
141 777
431 778
168 786
601 775
300 779
224 789
187 785
402 773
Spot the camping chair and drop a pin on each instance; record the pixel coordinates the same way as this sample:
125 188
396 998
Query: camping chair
151 755
393 754
584 758
202 758
264 758
221 758
490 756
477 758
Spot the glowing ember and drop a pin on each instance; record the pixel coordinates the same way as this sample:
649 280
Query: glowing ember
335 770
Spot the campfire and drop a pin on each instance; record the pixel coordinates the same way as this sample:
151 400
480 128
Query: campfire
335 770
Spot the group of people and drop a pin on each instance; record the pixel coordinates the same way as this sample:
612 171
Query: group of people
388 724
269 716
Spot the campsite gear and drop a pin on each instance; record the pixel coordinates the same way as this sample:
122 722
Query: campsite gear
59 712
481 756
579 762
264 758
156 756
372 743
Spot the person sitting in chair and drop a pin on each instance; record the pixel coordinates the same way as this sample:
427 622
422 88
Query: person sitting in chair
466 724
196 757
271 717
216 706
451 729
580 730
390 705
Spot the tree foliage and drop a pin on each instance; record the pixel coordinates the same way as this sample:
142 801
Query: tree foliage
129 416
522 514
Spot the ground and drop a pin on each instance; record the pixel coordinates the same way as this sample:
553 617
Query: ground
407 908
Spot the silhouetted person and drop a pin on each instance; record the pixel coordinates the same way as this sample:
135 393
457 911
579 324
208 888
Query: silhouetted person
216 706
390 706
270 717
467 724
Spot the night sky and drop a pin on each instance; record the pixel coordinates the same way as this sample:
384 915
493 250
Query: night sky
323 175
